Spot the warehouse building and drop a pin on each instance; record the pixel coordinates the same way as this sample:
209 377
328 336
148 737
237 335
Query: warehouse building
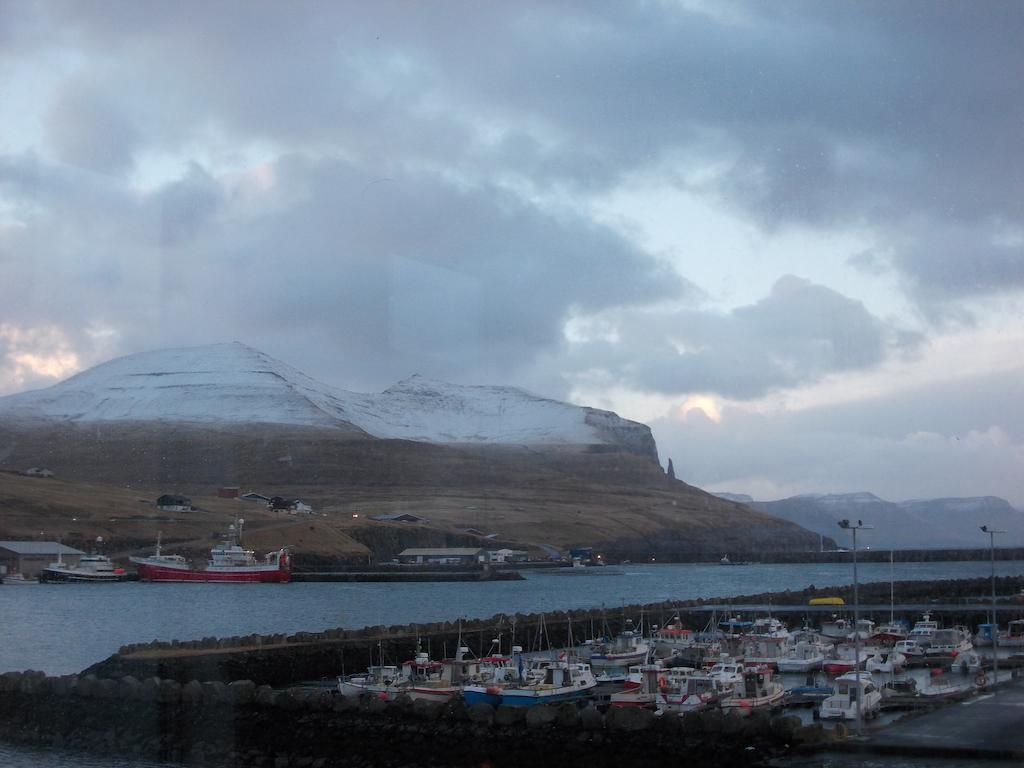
30 557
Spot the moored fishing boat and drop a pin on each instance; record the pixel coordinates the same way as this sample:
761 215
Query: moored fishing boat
758 690
625 650
228 562
91 569
384 681
561 681
655 684
1013 637
695 692
886 661
804 656
842 704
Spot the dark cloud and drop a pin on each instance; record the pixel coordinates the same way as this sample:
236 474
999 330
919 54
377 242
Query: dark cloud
390 274
90 129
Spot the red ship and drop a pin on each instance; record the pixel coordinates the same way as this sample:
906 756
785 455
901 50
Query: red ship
228 562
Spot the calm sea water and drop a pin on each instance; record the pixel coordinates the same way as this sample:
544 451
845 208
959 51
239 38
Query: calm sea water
63 628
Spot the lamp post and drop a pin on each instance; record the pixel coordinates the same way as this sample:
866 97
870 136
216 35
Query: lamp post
854 527
995 627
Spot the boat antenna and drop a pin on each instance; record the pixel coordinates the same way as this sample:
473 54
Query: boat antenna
158 535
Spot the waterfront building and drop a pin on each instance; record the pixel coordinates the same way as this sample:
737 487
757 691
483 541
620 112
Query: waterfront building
30 557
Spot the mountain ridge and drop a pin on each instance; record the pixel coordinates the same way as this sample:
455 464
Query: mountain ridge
910 524
233 383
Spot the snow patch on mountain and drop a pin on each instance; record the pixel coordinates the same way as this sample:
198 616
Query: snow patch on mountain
234 383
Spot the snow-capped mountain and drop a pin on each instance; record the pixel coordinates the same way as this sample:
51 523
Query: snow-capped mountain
236 384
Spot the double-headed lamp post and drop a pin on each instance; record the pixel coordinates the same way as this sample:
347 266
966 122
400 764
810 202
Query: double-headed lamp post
995 627
854 527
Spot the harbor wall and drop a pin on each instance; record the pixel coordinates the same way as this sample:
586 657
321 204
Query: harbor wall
281 660
244 725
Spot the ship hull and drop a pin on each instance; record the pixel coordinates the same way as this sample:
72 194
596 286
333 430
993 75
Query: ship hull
271 574
65 577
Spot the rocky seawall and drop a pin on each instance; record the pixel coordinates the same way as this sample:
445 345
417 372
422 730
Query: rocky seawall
243 725
281 660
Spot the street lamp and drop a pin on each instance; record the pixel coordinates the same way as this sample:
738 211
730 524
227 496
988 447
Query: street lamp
854 527
995 627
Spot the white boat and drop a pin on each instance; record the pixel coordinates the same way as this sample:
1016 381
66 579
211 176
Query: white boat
94 569
695 692
756 691
836 628
1013 637
383 680
805 656
727 670
842 704
923 630
655 681
950 642
911 649
886 661
864 628
562 681
968 662
18 579
673 637
623 651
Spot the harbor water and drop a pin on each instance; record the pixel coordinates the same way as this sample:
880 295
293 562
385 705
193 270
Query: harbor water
61 629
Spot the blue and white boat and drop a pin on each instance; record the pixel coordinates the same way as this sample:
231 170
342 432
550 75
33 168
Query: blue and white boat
561 681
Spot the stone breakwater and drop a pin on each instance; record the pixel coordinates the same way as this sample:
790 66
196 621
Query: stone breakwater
242 725
281 660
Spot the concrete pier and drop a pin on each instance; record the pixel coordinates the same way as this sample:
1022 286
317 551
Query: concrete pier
986 726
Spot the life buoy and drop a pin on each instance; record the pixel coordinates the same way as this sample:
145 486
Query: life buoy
980 679
662 682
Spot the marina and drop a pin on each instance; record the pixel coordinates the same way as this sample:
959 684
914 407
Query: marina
667 660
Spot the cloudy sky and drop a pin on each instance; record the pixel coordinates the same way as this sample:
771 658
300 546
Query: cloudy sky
789 236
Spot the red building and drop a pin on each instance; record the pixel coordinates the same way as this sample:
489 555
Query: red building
229 492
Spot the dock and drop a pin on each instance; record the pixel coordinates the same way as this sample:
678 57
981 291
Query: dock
987 726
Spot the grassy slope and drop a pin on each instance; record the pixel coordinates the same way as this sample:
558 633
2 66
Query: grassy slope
564 497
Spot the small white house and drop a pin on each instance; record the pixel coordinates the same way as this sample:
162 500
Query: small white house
507 555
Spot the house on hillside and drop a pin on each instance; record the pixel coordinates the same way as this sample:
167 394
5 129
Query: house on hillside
30 557
37 472
291 506
442 556
171 502
228 492
257 497
400 517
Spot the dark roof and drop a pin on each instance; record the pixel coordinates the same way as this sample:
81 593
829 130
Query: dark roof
39 548
400 516
173 499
